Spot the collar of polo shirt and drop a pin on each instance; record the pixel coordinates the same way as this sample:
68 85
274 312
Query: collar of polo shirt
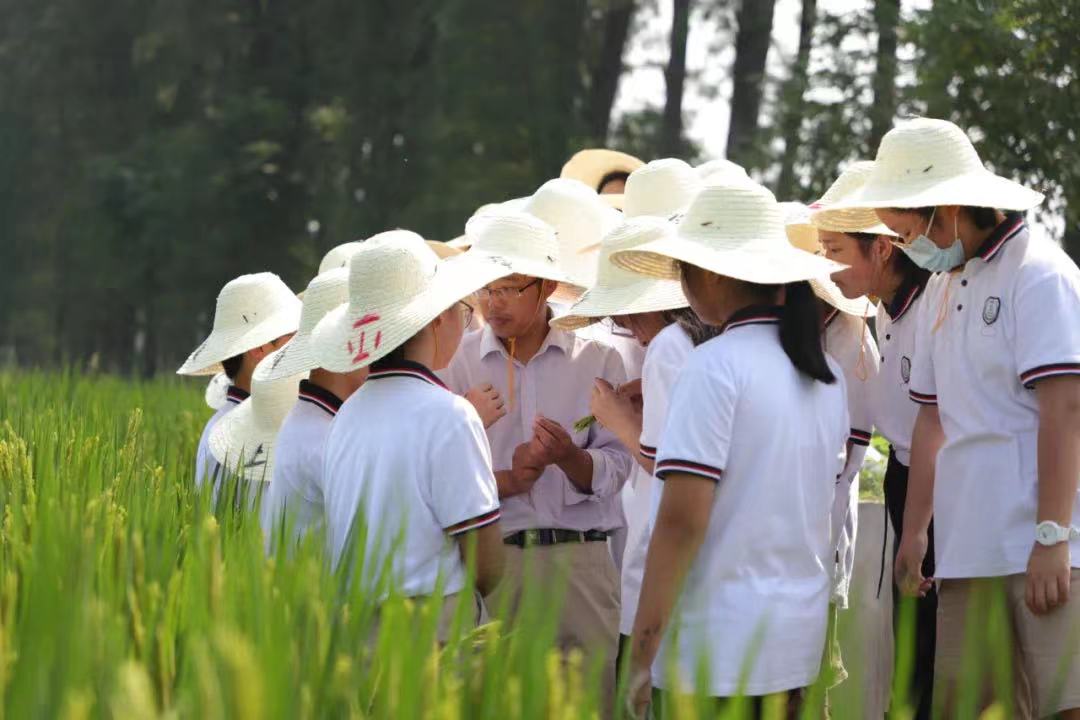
236 395
407 369
907 293
556 338
319 396
1004 232
752 315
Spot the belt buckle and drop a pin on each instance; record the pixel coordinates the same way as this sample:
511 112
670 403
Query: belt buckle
532 538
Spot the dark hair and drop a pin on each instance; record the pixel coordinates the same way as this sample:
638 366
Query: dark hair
613 175
984 218
232 366
687 319
900 262
800 332
394 358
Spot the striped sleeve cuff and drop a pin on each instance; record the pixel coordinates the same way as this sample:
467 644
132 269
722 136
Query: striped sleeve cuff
665 467
923 398
647 452
860 437
1042 372
473 523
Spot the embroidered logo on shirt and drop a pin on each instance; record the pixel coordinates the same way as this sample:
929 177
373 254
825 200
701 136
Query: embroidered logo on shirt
905 369
991 309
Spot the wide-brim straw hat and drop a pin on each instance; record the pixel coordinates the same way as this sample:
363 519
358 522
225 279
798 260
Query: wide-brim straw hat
580 219
527 245
243 440
847 220
620 292
217 391
338 257
324 293
252 310
804 236
462 242
929 163
397 285
592 166
735 230
718 171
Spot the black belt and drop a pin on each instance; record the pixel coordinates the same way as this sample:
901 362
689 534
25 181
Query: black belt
553 536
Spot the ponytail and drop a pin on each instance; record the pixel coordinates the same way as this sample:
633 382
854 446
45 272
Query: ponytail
800 332
691 324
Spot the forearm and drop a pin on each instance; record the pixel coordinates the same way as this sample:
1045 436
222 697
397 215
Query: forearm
507 486
1058 449
926 441
578 467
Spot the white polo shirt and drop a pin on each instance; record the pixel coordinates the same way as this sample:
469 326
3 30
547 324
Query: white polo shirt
296 487
849 341
773 441
408 461
664 359
205 464
1009 317
892 411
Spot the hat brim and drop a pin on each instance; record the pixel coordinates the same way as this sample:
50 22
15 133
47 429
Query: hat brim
220 346
567 290
593 165
850 220
975 189
395 322
614 200
777 264
235 435
294 358
827 290
640 296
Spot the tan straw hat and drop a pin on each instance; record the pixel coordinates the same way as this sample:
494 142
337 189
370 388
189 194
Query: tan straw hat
524 243
735 230
928 163
580 219
592 166
397 285
338 257
324 293
252 310
243 440
804 236
621 292
848 185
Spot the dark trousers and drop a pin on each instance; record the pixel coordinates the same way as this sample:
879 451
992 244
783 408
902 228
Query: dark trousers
921 644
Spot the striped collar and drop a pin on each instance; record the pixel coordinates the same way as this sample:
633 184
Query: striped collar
905 296
320 397
406 368
753 315
236 395
1007 230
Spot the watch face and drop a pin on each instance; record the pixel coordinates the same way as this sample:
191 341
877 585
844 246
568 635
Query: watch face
1046 534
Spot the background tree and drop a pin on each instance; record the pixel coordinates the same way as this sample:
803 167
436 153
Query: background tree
754 20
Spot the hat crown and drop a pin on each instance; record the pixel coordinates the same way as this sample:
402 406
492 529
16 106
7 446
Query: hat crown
324 293
717 171
512 234
660 188
338 257
271 400
928 149
580 219
391 268
737 215
848 184
249 299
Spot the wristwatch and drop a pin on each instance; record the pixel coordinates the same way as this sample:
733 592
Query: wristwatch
1049 533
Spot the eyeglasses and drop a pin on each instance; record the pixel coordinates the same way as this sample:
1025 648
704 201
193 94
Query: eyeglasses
615 328
469 312
504 293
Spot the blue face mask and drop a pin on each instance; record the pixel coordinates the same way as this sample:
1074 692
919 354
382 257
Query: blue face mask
927 255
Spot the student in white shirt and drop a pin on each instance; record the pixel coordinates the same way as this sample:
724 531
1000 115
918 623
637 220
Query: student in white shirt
255 315
407 477
755 436
294 501
876 267
995 456
559 484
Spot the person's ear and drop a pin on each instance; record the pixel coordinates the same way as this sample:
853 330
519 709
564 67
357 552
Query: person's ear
548 288
947 217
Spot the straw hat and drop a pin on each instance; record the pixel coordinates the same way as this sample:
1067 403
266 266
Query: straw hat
462 242
243 440
580 219
338 257
927 163
716 171
251 311
845 187
804 236
526 244
592 166
620 292
397 285
660 188
444 249
217 391
735 230
324 293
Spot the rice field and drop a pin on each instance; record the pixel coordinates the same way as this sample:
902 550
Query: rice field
124 593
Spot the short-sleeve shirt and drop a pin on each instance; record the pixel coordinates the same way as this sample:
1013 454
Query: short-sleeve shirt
773 440
296 486
205 464
406 468
664 359
988 332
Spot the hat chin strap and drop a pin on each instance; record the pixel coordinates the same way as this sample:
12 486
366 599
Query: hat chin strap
512 342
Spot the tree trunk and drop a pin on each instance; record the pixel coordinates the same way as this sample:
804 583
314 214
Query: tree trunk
755 18
785 186
1071 240
608 68
887 17
675 79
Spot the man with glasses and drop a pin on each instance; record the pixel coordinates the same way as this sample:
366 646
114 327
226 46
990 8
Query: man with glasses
558 479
